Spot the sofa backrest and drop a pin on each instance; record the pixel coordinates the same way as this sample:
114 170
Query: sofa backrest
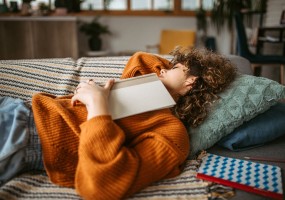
23 78
242 64
60 76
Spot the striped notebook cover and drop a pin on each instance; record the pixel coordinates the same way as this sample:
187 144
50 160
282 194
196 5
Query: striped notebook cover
250 176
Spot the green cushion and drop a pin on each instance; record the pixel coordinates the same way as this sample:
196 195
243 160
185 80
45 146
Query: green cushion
246 97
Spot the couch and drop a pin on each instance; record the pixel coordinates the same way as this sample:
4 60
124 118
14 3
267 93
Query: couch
60 76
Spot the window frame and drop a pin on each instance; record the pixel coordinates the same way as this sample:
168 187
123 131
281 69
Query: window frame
177 11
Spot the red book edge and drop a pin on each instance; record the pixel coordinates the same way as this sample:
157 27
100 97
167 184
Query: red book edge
240 186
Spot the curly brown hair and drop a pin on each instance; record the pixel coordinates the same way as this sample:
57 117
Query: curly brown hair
214 73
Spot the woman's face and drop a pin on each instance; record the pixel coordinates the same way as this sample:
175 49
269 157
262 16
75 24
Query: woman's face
176 80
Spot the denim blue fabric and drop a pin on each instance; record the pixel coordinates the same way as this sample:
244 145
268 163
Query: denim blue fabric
15 116
33 158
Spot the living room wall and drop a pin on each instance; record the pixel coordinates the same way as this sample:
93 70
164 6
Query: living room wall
133 33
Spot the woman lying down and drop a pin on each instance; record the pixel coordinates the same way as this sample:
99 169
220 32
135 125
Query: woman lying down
74 139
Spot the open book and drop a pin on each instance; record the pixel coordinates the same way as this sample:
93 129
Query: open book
137 95
250 176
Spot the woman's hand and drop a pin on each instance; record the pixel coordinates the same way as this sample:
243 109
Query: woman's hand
94 97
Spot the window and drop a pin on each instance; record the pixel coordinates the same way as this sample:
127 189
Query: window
92 5
208 4
189 4
195 4
162 4
140 5
123 4
101 5
133 7
34 3
152 5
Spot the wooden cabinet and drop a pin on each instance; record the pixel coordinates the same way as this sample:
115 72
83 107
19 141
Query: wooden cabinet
38 37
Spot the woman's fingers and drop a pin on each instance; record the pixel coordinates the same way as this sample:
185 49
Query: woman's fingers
109 84
74 100
76 90
91 81
86 89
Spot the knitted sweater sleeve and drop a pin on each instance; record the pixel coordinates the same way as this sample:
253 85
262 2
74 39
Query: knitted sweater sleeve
109 167
144 63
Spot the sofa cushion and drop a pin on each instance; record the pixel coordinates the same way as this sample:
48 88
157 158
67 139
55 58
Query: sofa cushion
101 69
264 128
246 97
23 78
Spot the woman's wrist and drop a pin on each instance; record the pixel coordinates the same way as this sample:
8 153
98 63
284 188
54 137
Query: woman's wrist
96 109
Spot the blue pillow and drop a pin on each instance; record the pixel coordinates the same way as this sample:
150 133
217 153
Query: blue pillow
264 128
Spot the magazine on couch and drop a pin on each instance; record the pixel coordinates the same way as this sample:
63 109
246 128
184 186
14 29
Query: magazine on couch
137 95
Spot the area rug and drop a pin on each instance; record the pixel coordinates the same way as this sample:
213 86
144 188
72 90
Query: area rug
36 185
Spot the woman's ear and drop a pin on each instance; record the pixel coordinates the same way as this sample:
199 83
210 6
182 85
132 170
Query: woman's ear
190 80
189 83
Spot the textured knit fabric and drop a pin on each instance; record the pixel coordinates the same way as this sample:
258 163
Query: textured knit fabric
106 159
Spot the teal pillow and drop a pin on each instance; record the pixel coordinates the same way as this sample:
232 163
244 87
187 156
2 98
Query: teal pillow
245 98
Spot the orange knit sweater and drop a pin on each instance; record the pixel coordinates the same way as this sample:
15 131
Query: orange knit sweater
106 159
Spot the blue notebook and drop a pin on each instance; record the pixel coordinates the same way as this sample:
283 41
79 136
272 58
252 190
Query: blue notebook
246 175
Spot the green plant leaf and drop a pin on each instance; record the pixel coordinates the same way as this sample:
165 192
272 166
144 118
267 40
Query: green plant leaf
94 28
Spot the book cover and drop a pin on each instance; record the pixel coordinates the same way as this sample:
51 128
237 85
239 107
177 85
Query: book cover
137 95
250 176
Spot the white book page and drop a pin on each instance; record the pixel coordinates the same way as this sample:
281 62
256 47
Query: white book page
137 95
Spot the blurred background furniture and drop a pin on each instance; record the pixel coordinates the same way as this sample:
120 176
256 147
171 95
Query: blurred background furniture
264 37
169 39
256 60
38 37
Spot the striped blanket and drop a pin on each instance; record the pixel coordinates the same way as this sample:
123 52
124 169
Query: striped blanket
23 78
36 185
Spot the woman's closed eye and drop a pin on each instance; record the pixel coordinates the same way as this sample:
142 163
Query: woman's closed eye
175 66
178 66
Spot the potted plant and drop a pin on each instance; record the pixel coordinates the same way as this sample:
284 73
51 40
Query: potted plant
94 30
74 5
26 7
69 5
60 7
201 23
44 8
